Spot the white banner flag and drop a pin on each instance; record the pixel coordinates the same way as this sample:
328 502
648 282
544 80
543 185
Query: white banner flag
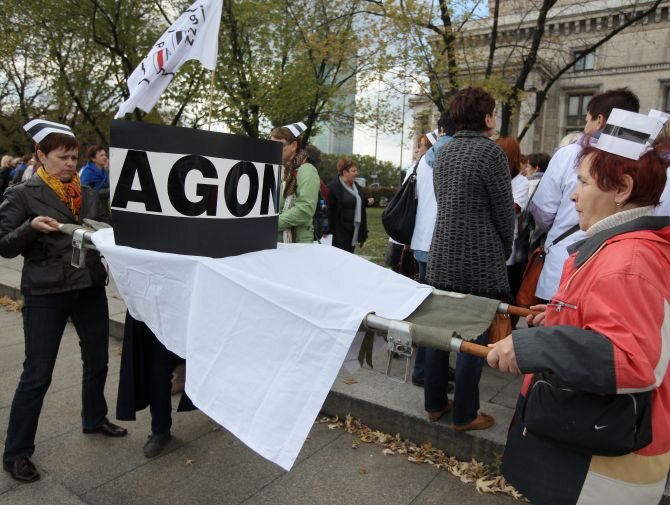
194 36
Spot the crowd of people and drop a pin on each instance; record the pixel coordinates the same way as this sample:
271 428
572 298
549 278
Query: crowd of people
591 424
592 418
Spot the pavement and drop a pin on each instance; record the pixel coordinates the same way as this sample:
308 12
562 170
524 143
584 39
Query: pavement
206 464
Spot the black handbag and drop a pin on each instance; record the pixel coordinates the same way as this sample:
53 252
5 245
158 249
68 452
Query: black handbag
591 423
529 237
400 214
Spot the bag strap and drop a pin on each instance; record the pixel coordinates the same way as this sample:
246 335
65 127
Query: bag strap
416 165
565 234
533 194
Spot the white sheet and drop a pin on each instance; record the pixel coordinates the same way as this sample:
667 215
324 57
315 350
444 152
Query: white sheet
264 333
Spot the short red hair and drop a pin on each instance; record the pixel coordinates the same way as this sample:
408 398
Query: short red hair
512 150
648 173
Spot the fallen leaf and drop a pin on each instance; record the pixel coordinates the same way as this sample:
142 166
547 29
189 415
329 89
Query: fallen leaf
350 380
484 476
190 461
484 486
11 304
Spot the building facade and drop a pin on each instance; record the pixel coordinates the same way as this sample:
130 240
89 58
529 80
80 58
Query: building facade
638 57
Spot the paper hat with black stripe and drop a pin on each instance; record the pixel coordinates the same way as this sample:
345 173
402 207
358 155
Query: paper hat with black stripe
432 136
40 128
660 115
629 134
296 128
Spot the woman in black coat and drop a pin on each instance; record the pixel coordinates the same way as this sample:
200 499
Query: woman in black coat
346 206
54 291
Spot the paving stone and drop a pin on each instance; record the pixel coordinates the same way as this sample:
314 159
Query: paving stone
46 491
215 468
85 462
446 489
346 475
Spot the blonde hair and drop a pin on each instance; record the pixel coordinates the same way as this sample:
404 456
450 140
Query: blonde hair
6 161
570 138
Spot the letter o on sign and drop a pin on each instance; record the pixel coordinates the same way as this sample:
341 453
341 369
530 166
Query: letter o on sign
241 209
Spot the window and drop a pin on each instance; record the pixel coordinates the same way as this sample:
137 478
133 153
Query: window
667 99
576 111
586 63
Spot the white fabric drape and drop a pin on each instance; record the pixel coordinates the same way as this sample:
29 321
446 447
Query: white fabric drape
264 333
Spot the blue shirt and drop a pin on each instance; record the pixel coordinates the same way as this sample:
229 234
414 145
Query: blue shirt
431 154
96 178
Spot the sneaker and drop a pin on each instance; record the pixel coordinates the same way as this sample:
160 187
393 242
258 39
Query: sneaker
481 422
435 415
155 444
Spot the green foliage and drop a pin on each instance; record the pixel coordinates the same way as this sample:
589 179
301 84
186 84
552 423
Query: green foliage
382 194
279 62
384 173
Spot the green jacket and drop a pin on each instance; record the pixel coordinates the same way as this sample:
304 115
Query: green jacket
301 215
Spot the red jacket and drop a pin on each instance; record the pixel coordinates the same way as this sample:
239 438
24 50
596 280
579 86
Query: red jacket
607 331
623 293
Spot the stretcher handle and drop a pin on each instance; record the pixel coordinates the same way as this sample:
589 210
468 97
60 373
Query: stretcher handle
481 351
514 310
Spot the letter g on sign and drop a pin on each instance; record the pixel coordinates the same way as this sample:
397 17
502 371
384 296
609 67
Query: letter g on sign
207 192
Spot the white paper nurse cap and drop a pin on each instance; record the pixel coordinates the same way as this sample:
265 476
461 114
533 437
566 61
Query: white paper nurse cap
660 115
296 128
629 134
40 128
432 136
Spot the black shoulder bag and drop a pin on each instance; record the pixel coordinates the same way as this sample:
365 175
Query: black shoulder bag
399 215
591 423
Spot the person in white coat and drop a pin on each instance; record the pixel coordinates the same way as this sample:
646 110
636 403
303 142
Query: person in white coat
426 213
551 206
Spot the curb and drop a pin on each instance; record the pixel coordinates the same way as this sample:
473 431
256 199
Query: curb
463 446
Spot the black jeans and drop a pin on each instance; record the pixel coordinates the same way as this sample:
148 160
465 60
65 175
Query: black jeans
44 320
163 363
466 393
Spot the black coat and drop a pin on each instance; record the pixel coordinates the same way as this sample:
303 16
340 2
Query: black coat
134 378
341 210
47 268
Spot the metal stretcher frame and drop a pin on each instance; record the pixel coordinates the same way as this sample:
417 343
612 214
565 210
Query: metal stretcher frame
401 336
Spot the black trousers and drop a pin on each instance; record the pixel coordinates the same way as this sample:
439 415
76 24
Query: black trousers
162 364
44 320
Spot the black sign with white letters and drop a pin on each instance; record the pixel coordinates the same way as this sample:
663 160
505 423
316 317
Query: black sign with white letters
188 191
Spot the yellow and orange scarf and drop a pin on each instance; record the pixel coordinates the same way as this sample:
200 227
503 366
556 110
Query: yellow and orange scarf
68 192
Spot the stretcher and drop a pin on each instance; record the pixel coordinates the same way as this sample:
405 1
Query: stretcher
422 328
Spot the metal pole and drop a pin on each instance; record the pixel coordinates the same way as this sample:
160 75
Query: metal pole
402 133
377 129
211 100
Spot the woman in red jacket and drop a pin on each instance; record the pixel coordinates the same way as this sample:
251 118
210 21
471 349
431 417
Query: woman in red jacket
592 423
